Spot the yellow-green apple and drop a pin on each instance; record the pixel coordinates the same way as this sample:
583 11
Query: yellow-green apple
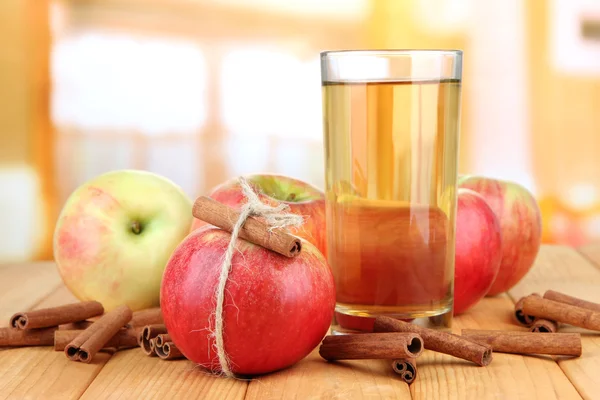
478 250
276 309
115 234
301 197
520 223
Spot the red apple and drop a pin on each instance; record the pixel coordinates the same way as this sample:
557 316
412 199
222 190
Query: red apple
302 198
478 250
520 222
277 309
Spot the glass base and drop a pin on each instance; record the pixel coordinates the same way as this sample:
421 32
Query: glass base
347 321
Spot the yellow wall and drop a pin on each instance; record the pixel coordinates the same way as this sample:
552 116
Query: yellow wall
565 127
14 112
565 112
25 134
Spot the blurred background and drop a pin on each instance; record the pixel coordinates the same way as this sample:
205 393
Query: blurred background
202 90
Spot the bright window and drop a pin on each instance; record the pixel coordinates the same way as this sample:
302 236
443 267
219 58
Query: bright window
271 92
113 81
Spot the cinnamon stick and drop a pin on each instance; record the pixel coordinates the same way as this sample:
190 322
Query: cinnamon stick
522 318
76 326
91 340
168 351
574 301
149 316
55 316
162 339
148 333
561 312
371 346
124 339
31 337
254 230
543 325
153 346
406 368
439 341
516 342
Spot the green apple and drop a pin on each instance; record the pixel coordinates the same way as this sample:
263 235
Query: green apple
115 234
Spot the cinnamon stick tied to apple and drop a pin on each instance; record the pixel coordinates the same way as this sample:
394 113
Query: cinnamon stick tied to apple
54 316
439 341
254 229
371 346
406 368
520 342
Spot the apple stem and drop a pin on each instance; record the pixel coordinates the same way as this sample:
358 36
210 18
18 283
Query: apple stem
136 227
291 197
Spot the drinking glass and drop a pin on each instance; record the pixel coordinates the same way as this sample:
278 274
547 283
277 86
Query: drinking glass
391 129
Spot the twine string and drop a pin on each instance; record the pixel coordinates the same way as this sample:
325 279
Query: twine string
275 217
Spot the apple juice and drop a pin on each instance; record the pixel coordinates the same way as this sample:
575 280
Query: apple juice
391 168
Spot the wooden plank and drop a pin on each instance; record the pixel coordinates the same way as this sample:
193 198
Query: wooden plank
564 269
509 376
439 376
22 286
58 297
314 378
41 372
591 252
133 375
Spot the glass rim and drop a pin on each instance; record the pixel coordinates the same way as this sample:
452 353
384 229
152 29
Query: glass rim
390 52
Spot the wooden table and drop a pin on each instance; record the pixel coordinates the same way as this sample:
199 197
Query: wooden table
40 372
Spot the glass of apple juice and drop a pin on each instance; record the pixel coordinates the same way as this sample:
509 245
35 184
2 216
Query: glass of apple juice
391 128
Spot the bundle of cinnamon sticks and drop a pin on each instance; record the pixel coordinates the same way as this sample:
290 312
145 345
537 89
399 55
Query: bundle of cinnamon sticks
154 340
83 329
543 315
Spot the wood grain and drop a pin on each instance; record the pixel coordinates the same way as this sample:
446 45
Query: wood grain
22 286
592 253
509 376
131 374
58 297
41 372
314 378
564 269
